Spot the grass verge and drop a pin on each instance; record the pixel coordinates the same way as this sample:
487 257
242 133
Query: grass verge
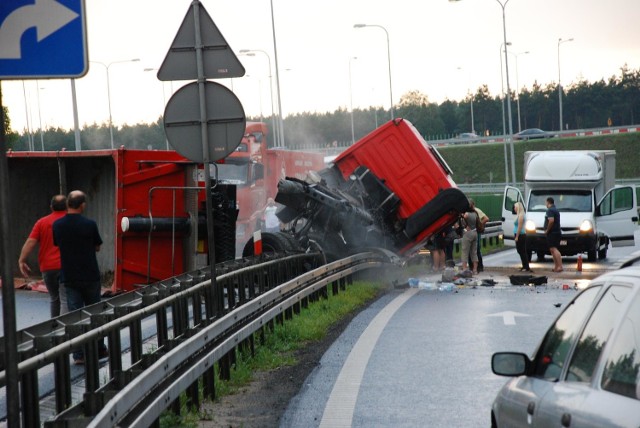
278 349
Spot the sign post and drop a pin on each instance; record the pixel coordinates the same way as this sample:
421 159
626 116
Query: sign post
41 40
199 51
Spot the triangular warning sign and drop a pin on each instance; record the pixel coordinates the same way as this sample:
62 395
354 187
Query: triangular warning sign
218 59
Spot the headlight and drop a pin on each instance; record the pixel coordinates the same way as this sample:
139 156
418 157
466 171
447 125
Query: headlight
586 226
530 226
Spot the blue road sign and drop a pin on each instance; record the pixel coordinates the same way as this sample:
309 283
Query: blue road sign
42 39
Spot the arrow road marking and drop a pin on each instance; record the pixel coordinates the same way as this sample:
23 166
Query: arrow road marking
48 16
509 317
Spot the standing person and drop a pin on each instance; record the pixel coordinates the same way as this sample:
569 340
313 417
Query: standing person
271 221
79 240
520 236
483 220
553 232
48 254
469 240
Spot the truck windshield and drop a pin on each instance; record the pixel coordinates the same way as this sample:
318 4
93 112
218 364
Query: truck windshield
231 173
565 200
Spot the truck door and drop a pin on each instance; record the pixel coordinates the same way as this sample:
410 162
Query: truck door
510 197
617 215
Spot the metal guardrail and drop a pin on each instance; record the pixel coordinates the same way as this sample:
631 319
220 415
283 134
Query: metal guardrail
194 326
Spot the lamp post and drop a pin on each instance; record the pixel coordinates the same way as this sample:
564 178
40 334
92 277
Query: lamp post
560 41
353 135
40 115
471 103
275 55
504 125
388 61
252 52
503 5
506 70
518 87
106 66
164 103
26 116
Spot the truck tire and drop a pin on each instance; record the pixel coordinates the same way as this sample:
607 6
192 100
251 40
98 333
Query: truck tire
540 255
602 254
271 243
330 245
591 255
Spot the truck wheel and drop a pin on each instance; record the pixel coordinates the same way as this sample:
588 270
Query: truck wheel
271 243
602 254
591 256
540 255
330 245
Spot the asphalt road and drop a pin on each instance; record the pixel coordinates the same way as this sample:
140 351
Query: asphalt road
418 357
421 357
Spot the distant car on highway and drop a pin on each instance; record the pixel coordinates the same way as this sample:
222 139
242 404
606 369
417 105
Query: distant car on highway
531 134
465 137
586 370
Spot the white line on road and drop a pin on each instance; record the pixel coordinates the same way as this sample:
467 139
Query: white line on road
509 317
338 411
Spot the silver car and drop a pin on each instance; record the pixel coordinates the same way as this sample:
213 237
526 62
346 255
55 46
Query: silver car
586 370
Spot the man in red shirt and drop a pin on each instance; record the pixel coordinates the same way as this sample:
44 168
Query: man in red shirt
48 254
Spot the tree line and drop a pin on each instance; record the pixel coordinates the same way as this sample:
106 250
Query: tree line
611 102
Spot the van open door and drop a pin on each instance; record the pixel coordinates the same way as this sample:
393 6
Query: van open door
510 197
617 215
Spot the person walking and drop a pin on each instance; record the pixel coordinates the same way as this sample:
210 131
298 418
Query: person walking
48 254
79 241
483 221
553 232
469 240
520 236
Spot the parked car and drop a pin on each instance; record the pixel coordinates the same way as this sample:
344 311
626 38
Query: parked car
531 134
586 370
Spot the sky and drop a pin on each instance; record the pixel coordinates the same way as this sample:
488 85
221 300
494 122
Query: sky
438 47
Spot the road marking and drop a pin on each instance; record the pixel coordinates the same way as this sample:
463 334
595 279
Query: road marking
509 317
338 411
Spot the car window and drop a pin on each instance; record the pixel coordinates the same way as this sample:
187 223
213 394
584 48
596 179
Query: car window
551 356
596 333
622 369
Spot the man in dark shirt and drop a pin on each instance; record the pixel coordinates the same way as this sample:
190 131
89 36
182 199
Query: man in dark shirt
553 232
79 240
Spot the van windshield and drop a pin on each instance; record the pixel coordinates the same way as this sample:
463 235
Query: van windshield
565 200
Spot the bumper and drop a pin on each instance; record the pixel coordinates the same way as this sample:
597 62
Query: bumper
569 245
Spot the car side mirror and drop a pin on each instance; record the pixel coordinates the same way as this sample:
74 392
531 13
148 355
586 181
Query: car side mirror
510 363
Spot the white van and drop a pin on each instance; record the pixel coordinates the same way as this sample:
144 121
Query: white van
593 211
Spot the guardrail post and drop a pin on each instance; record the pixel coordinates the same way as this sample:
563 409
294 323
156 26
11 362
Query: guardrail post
62 377
30 402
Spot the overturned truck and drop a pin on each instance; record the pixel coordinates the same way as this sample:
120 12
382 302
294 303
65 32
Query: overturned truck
390 190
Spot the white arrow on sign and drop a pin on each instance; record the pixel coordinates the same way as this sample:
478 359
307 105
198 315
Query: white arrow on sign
509 317
48 16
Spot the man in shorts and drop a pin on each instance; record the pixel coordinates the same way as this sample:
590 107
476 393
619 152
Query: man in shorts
553 232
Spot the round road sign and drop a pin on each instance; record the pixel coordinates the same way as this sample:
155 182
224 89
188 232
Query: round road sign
225 122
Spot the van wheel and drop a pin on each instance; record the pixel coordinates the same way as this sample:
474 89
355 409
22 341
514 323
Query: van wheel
591 256
540 255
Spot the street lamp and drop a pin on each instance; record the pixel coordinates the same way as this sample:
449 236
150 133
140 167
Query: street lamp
252 52
560 41
518 86
506 70
353 135
40 114
504 125
275 59
164 103
503 5
106 66
388 61
471 102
